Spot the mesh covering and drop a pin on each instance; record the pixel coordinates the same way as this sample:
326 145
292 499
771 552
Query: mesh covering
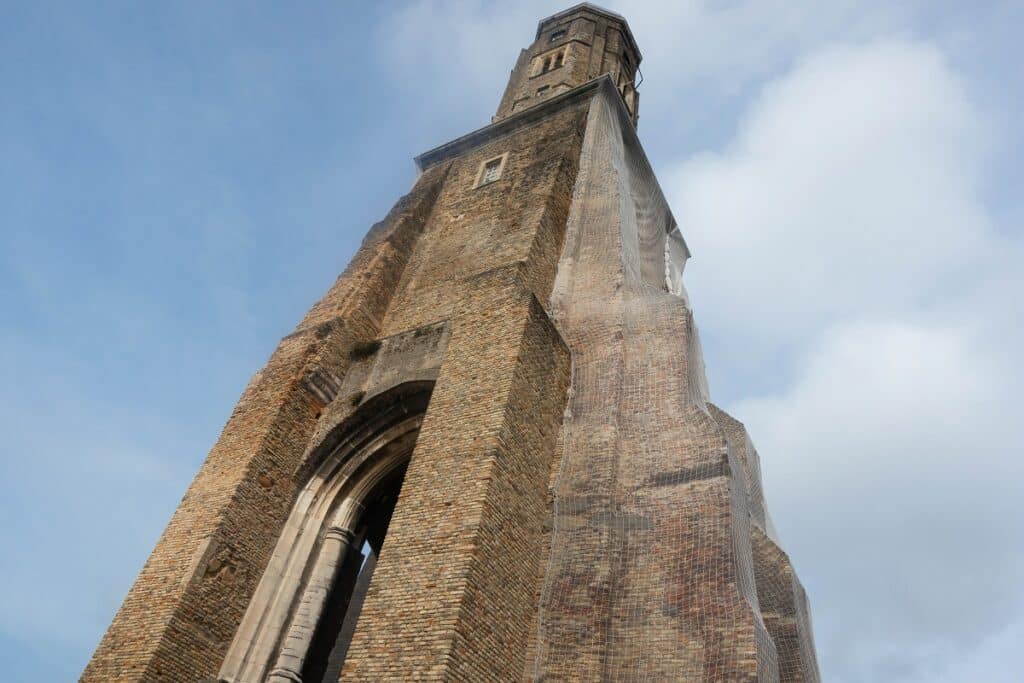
652 573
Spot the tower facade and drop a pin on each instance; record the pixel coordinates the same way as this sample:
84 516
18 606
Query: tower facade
488 453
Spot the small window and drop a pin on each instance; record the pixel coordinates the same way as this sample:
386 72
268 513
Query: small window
557 35
547 65
490 170
558 60
543 90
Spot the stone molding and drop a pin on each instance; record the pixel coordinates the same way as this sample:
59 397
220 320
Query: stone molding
278 625
461 145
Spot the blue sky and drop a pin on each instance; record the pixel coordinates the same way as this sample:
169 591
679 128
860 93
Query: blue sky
180 181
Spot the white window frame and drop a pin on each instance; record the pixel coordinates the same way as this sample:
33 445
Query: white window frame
501 159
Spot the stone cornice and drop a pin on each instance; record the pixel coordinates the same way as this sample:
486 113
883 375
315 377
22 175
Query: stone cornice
516 121
602 85
596 10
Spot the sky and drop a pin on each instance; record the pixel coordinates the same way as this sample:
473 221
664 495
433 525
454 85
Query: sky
180 181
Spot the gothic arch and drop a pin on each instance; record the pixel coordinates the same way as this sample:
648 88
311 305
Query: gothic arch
349 467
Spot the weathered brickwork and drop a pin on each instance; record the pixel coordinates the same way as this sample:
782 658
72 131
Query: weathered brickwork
781 596
518 361
486 252
650 575
571 48
181 613
516 222
416 268
785 610
451 597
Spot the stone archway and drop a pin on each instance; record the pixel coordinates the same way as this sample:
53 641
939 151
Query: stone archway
302 612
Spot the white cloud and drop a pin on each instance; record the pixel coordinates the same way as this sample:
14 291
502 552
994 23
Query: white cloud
990 661
844 230
467 48
723 44
891 467
852 185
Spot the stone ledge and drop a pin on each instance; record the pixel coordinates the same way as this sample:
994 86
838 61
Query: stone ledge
527 117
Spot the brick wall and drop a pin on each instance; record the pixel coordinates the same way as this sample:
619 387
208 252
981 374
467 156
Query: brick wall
476 257
650 571
181 613
574 507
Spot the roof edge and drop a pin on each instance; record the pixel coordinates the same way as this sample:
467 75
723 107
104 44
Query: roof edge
511 123
602 85
596 10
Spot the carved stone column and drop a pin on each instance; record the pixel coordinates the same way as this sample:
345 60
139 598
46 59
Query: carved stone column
288 666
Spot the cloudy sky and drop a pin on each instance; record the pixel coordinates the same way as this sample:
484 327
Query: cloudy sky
180 181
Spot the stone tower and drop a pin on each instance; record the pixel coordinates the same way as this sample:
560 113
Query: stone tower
488 452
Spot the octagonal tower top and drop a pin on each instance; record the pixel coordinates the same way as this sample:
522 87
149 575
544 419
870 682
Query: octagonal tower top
572 47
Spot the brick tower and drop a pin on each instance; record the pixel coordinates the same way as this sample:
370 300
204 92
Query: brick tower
488 453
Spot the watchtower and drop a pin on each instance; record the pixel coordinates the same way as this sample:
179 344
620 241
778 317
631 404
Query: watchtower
488 453
572 48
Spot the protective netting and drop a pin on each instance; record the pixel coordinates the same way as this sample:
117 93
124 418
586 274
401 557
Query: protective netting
659 551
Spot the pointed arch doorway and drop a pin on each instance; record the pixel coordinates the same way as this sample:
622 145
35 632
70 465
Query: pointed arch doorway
301 618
